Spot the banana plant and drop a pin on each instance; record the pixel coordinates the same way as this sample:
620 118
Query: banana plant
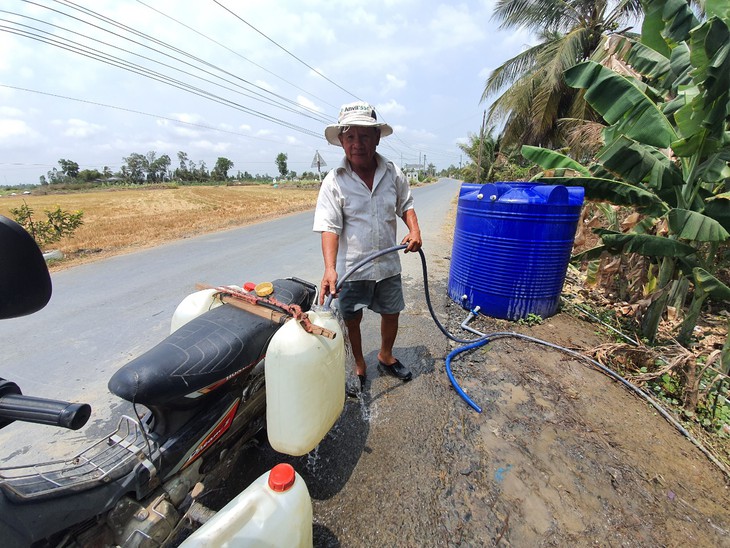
666 148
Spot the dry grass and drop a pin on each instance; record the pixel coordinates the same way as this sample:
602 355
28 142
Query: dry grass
119 221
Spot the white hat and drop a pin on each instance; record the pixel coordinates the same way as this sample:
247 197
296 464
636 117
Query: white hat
358 113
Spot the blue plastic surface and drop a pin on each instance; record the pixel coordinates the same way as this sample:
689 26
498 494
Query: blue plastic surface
512 244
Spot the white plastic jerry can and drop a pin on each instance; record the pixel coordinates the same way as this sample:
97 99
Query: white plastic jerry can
305 384
275 510
193 306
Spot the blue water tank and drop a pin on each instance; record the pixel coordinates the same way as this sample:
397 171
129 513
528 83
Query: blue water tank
512 244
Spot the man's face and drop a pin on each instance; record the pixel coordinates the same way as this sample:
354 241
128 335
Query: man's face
360 144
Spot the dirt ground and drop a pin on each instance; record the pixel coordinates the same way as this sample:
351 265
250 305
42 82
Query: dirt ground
561 455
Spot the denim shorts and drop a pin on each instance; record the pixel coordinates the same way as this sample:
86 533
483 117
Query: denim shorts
383 297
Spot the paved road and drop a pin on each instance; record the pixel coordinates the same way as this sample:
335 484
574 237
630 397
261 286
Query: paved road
104 313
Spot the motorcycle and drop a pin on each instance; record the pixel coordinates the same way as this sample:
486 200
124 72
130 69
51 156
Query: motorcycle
203 390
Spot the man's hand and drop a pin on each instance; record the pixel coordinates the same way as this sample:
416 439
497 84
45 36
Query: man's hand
413 241
413 238
329 285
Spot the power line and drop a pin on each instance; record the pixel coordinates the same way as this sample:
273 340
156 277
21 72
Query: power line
123 109
152 39
276 101
147 37
237 54
287 51
81 49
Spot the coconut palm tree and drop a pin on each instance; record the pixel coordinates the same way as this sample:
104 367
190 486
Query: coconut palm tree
534 96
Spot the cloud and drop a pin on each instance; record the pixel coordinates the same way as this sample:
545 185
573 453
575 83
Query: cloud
10 112
265 85
10 130
393 83
454 26
218 148
392 107
179 130
187 117
301 100
81 129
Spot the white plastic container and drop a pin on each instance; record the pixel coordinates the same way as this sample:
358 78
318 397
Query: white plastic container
275 510
193 306
305 384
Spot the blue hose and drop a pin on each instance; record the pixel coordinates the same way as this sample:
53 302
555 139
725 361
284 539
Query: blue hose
467 399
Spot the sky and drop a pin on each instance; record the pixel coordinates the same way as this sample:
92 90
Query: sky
95 81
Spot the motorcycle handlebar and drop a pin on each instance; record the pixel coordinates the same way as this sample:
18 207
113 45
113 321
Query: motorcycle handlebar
14 406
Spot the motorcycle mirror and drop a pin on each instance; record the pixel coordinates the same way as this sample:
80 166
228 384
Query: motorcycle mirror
25 283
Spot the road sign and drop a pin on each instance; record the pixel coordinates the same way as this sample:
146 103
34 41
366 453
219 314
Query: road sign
318 161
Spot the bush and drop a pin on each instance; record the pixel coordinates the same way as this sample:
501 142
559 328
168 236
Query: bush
59 223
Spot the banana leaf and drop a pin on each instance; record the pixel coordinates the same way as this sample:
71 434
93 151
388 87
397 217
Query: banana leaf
710 55
644 244
652 27
718 207
719 8
710 286
678 17
647 61
681 67
622 104
706 285
589 254
694 226
634 162
549 159
715 169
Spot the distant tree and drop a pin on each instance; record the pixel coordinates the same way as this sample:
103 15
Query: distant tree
89 175
481 160
150 158
43 180
281 164
69 168
158 169
55 177
182 172
201 174
220 171
135 167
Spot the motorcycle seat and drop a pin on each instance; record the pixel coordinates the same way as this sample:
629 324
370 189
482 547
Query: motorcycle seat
217 345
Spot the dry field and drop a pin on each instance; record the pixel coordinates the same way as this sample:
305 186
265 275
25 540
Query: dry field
119 221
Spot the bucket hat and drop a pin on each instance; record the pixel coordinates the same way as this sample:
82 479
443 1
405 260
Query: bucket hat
358 113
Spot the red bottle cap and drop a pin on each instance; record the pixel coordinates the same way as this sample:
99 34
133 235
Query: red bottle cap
282 477
249 286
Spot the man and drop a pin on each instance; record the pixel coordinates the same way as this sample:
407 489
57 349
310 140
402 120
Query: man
357 214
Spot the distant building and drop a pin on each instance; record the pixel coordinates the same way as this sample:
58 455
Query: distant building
412 171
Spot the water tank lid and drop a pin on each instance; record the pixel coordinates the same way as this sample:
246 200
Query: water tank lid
281 477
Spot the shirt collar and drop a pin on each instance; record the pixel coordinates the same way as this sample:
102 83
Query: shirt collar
347 168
